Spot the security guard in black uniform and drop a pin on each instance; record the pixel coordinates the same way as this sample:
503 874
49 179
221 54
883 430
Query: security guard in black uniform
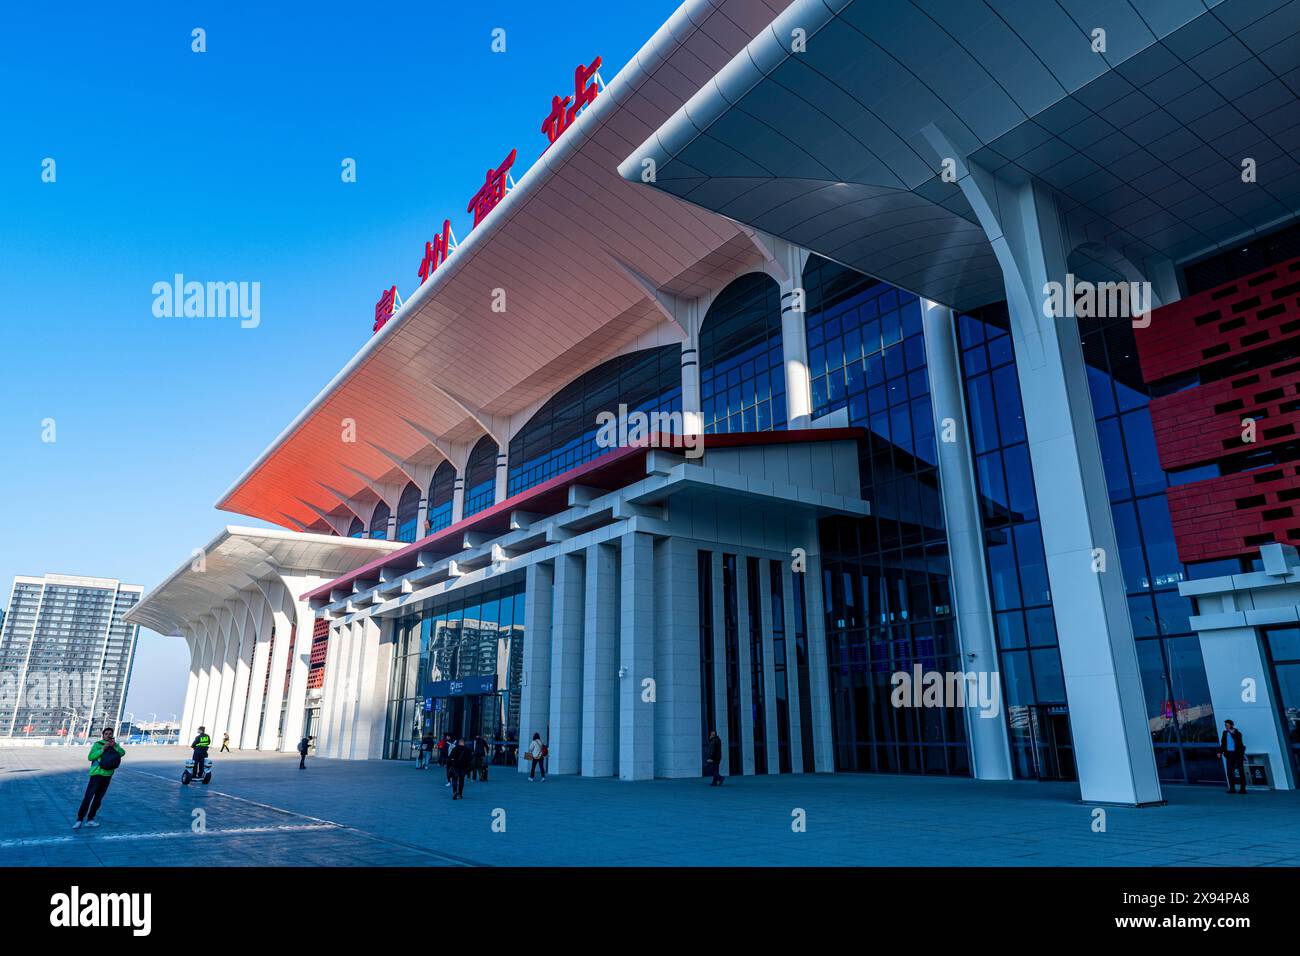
201 744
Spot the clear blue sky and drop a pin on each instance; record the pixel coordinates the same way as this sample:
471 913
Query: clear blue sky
225 166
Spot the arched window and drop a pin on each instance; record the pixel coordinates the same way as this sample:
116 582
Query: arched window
408 512
480 476
357 529
441 491
379 521
562 434
742 370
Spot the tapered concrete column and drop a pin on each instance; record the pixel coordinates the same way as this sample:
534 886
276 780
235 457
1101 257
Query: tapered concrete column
535 695
390 528
794 346
351 712
300 666
600 645
565 745
204 676
263 618
422 518
226 621
745 667
215 662
279 662
772 730
636 713
677 731
1108 721
246 626
192 683
990 750
818 666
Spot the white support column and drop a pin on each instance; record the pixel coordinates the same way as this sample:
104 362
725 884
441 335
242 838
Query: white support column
636 717
600 663
793 692
744 666
209 721
565 744
458 496
422 516
1108 721
305 619
790 261
502 474
277 597
721 723
374 660
263 619
192 684
818 666
205 676
535 695
678 735
246 630
226 620
772 730
327 744
989 748
692 396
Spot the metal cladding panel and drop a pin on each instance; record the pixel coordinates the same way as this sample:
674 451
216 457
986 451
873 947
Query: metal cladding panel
1241 339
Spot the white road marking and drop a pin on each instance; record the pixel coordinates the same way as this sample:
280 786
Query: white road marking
165 834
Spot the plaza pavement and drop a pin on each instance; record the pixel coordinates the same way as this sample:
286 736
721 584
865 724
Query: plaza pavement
261 810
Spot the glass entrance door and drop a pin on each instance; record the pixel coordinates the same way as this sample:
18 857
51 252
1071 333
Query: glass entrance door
1053 748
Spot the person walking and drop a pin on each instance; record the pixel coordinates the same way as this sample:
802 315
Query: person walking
480 758
713 759
105 757
1232 748
537 757
426 750
302 752
458 763
225 743
200 744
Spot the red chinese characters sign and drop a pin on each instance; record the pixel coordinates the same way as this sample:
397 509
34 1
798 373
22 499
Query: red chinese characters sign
493 190
435 252
565 110
385 307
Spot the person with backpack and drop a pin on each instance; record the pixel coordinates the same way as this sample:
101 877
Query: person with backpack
537 757
426 751
105 757
480 758
302 752
458 763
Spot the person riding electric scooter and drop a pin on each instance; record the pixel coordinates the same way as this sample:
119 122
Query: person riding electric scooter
201 744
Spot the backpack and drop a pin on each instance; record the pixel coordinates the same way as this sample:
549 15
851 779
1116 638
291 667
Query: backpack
545 751
110 759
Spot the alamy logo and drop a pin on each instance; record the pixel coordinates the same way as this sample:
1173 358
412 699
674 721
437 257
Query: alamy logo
74 909
649 429
1098 300
975 689
210 300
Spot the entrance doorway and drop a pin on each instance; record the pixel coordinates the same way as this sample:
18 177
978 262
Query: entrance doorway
1052 745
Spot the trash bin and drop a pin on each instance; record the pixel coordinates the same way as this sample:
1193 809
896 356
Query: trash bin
1259 774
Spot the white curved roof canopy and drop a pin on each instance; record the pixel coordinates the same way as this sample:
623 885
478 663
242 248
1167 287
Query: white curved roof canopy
832 148
556 244
235 560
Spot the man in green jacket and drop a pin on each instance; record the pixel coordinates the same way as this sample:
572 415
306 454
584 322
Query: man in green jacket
101 774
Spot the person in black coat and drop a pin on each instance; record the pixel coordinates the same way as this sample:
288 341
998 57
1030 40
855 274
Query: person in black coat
713 759
1232 748
303 746
480 757
458 762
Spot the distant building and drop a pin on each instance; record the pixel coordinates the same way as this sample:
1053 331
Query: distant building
65 654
